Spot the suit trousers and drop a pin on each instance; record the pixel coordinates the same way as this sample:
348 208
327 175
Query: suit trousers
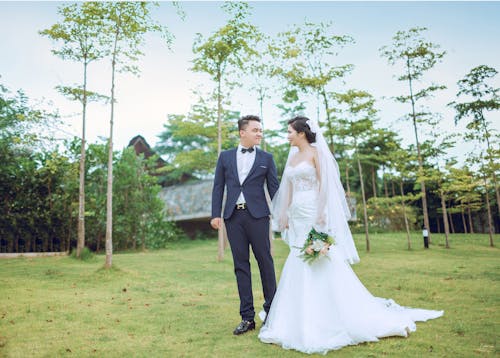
244 231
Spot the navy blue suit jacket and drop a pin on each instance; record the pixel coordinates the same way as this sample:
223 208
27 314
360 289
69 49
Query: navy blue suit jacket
226 175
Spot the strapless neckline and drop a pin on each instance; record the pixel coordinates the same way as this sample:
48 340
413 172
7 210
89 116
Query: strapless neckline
300 163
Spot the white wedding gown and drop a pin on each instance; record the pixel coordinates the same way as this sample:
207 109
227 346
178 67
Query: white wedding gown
323 306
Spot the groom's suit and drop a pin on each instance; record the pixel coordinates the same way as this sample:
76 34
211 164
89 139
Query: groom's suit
248 224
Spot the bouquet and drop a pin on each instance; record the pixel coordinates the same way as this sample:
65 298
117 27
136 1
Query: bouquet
314 244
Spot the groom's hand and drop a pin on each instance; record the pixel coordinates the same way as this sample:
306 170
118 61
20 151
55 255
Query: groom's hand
215 223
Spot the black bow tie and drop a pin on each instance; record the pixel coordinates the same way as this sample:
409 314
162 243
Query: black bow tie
249 150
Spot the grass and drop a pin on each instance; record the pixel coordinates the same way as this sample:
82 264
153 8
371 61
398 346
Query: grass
181 302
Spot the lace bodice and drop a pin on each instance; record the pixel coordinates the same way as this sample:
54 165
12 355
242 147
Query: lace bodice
303 177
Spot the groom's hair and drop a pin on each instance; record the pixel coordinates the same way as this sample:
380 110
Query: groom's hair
243 121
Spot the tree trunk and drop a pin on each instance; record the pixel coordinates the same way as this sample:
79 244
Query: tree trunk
450 218
495 185
81 195
374 182
220 243
261 104
365 213
407 226
109 193
490 221
471 227
394 189
464 223
386 190
347 180
328 120
496 191
420 161
438 222
445 219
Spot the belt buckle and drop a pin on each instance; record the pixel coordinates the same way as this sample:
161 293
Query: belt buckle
240 206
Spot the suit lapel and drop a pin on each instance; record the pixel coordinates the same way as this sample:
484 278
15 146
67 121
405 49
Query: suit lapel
254 166
234 163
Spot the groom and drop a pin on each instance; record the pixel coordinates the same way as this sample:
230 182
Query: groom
243 172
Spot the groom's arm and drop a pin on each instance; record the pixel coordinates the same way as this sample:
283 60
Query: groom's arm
272 177
218 189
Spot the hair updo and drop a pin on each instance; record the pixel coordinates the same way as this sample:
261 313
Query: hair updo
300 125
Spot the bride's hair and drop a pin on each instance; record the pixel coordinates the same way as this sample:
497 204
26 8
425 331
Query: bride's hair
300 125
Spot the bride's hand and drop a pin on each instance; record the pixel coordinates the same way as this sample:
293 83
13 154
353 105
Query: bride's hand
284 222
320 220
309 250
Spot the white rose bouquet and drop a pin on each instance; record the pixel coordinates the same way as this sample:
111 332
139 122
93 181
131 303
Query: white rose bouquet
315 246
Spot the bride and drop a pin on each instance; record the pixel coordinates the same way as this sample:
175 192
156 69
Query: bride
323 306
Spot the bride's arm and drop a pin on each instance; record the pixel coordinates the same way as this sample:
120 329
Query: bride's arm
320 219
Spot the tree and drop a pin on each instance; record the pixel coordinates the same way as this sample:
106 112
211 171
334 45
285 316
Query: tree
484 98
465 189
400 160
79 32
189 142
33 180
307 54
124 27
418 56
225 50
357 123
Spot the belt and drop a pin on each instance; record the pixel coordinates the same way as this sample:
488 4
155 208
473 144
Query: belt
241 206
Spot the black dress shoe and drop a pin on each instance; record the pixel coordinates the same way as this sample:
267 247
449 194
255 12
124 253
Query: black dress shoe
244 327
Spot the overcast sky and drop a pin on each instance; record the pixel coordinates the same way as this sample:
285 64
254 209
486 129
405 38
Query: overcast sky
468 31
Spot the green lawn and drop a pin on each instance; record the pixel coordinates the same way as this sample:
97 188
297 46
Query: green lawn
181 302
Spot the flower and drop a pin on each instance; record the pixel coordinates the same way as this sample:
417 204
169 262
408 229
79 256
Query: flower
313 246
317 245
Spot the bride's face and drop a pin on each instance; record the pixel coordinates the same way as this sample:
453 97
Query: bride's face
293 136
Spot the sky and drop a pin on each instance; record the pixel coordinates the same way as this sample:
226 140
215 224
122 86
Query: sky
468 31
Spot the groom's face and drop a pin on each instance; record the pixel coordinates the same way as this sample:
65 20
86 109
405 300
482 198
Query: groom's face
251 135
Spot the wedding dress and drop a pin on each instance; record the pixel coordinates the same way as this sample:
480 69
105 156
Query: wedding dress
323 306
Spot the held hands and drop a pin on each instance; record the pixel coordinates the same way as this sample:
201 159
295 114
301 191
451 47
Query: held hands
215 223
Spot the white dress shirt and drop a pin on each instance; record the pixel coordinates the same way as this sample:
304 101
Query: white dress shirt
244 162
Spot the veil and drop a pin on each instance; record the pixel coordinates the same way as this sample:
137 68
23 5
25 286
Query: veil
332 201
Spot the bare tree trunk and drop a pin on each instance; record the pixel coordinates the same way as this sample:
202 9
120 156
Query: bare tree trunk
445 219
81 194
405 216
469 214
450 218
347 180
109 193
420 161
438 225
495 185
464 223
490 222
374 182
365 213
328 120
393 189
386 190
220 243
261 103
